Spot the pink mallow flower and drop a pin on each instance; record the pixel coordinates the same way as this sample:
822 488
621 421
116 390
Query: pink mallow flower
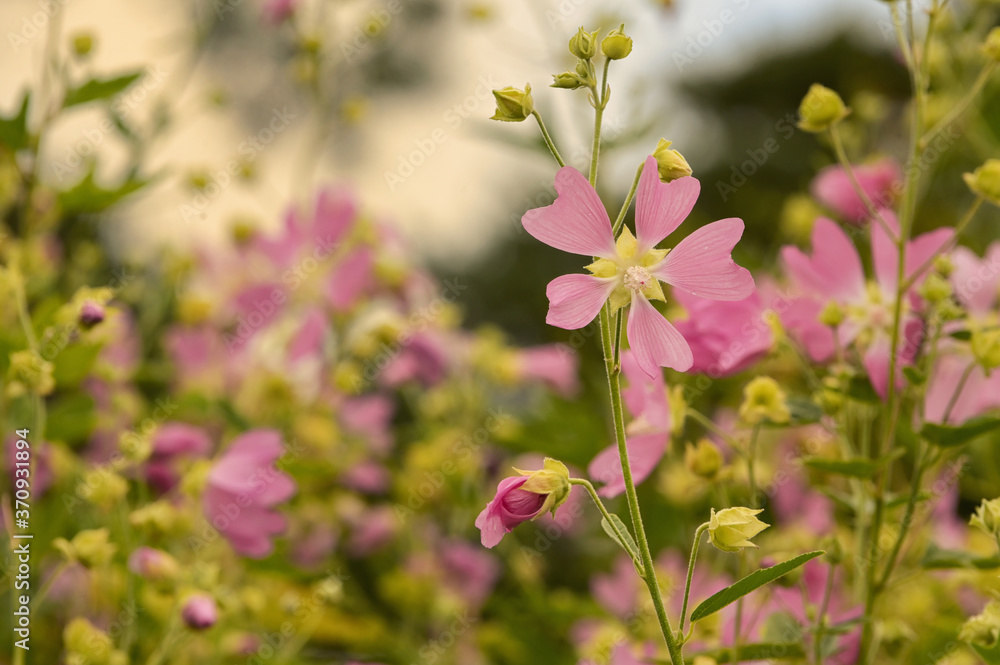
174 441
629 271
725 337
555 365
523 498
833 273
243 488
878 180
647 435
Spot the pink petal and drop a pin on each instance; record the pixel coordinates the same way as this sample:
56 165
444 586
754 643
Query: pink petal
574 300
801 320
977 283
577 222
702 263
661 207
885 254
308 341
834 269
644 452
876 362
350 279
655 343
923 247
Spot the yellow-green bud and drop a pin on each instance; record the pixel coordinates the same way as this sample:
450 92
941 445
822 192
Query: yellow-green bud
987 517
513 105
984 628
552 480
703 459
617 44
732 528
584 44
158 516
991 47
86 643
935 288
985 181
89 547
985 345
820 109
670 164
83 44
943 265
103 488
763 399
567 81
832 315
29 373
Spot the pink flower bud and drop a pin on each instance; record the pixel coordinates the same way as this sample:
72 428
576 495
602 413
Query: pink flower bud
200 612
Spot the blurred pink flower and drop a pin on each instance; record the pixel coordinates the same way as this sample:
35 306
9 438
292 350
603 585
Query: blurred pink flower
511 506
725 337
243 488
366 477
701 263
555 365
174 440
618 590
200 612
833 273
313 240
308 341
151 564
369 416
421 358
372 530
878 180
276 11
469 571
648 433
350 279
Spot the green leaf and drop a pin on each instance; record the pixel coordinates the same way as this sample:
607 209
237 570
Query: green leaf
87 197
937 558
859 467
759 651
914 376
860 389
947 436
753 581
990 655
14 130
74 363
629 545
962 335
70 418
803 411
98 88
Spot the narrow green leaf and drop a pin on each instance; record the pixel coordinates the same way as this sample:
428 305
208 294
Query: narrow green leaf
858 467
88 197
990 655
753 581
629 545
937 558
803 411
860 389
947 436
97 88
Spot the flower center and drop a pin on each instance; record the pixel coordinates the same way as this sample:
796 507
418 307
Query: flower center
637 278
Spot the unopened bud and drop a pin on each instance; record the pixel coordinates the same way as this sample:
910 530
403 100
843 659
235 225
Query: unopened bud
513 105
985 181
617 44
584 44
670 164
820 109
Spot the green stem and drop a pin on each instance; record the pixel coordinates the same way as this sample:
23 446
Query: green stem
958 392
600 101
548 139
707 423
751 455
628 202
44 591
821 617
961 106
586 484
690 574
904 527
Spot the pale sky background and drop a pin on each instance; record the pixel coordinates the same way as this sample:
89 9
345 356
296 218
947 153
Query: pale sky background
446 205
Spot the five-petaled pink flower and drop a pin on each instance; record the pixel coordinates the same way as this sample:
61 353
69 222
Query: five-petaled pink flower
629 271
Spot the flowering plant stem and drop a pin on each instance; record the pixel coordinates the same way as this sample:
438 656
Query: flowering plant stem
690 573
548 139
586 484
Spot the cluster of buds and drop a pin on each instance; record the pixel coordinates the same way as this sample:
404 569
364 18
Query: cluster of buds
583 45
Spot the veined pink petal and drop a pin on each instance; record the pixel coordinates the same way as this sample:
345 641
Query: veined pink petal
574 300
702 263
834 269
661 206
655 343
644 452
577 222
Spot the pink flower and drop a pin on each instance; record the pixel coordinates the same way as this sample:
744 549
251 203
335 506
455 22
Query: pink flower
369 416
725 337
172 442
469 571
243 487
422 358
630 271
511 506
276 11
617 591
354 275
200 612
152 564
315 239
833 189
648 433
553 364
833 273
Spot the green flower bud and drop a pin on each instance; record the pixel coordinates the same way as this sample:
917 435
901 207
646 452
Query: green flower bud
763 399
29 373
617 44
86 643
820 109
513 105
703 459
991 47
986 348
832 315
670 164
985 181
987 517
89 547
584 44
731 529
943 265
551 480
83 44
103 488
935 288
567 81
984 628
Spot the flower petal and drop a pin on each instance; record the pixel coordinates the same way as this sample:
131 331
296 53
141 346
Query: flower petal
654 341
702 263
577 222
885 255
834 269
574 300
923 247
644 452
661 206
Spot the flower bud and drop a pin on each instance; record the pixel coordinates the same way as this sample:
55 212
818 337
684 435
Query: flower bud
522 499
820 109
670 164
584 44
513 105
732 528
935 288
200 612
987 517
103 488
29 373
89 547
87 644
763 399
986 348
552 481
985 181
91 313
984 628
703 459
153 565
943 265
567 81
991 47
617 44
834 550
83 44
832 315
